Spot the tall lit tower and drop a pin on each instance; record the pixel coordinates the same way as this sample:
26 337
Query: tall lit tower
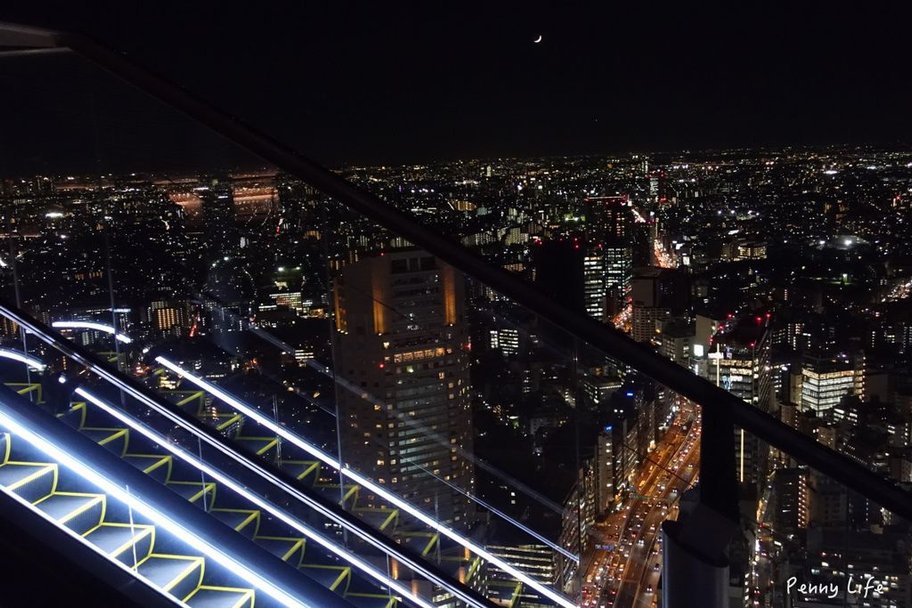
401 348
609 223
220 230
740 363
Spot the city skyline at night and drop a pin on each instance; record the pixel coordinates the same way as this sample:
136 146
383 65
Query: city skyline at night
567 308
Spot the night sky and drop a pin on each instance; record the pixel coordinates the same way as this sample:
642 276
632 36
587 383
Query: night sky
389 82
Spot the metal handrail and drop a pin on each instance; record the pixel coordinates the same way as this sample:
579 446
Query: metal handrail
713 399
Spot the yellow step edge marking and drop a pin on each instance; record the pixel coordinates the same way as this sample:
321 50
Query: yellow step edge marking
194 564
222 426
394 515
243 602
313 465
209 486
391 601
331 485
115 433
346 572
28 388
191 397
247 594
255 516
430 545
29 478
162 460
353 490
199 581
476 564
252 514
272 442
85 494
7 447
142 531
80 407
298 544
97 498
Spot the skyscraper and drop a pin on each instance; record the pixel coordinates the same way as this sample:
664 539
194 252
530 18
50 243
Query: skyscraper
648 314
402 349
740 363
826 380
220 231
594 289
618 272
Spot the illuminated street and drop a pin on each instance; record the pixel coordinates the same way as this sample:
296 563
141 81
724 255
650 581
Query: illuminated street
626 570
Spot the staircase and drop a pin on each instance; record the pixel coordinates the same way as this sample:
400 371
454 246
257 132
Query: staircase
112 528
227 506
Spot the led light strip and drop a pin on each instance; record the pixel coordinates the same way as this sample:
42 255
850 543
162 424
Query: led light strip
159 519
364 481
92 325
72 534
15 355
200 465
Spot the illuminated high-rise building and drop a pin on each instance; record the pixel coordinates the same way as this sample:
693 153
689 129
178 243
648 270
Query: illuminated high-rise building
594 285
618 271
608 218
791 495
401 348
168 316
826 380
506 340
648 316
220 231
739 362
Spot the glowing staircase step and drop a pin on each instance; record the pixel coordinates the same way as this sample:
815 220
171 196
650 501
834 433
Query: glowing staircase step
156 465
288 549
79 512
302 469
381 518
119 540
334 578
175 574
257 445
220 597
245 521
192 490
105 436
31 480
370 600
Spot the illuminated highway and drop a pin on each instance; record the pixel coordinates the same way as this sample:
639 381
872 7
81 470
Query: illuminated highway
624 319
625 571
663 258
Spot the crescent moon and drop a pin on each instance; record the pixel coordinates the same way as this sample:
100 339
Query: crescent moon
539 39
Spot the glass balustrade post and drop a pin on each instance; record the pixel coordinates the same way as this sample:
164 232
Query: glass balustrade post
695 566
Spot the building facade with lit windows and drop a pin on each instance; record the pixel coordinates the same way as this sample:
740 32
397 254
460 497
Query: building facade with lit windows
826 380
594 286
401 346
739 362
